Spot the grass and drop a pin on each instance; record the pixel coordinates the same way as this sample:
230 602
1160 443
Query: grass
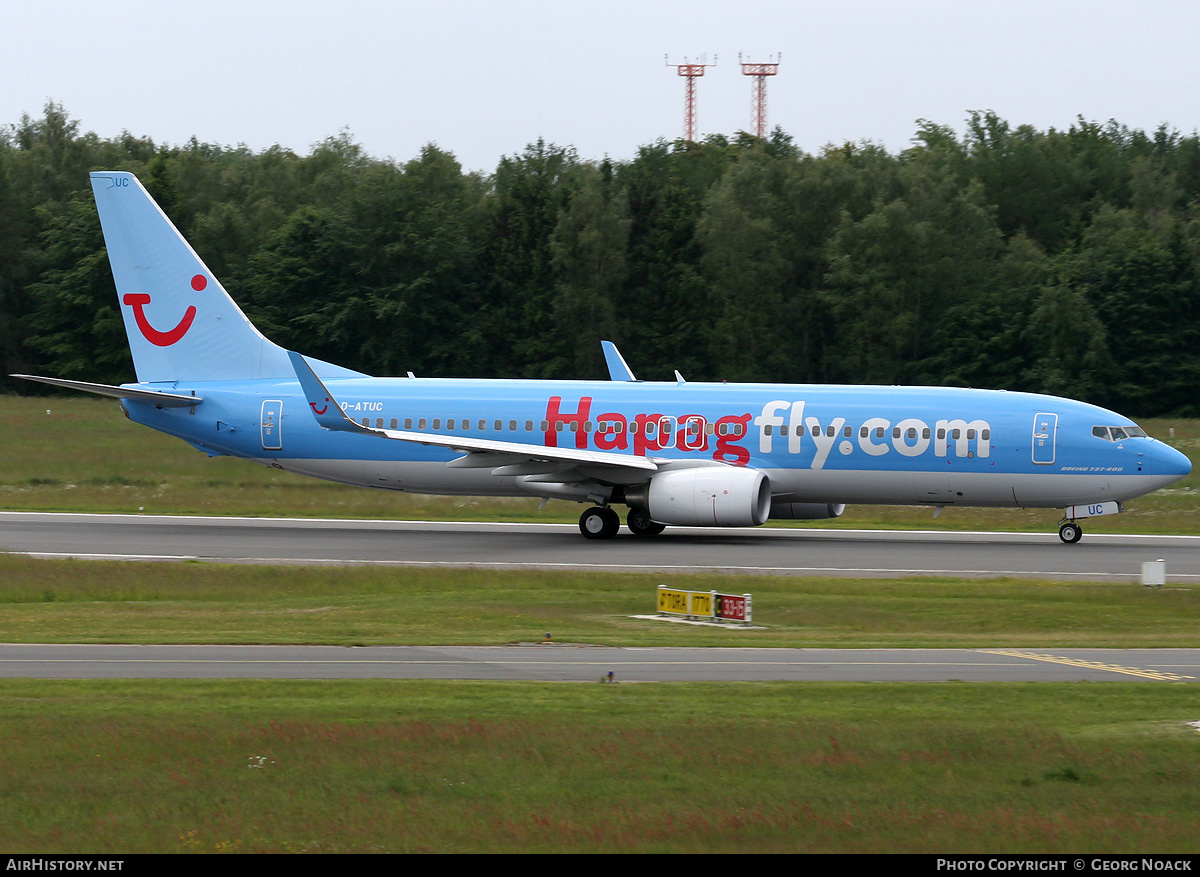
361 766
94 601
84 456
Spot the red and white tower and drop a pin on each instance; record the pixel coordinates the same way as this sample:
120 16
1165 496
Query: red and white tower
692 70
758 100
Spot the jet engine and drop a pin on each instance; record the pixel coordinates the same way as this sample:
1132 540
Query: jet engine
806 511
709 496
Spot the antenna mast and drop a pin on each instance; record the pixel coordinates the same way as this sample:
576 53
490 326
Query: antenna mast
758 100
691 70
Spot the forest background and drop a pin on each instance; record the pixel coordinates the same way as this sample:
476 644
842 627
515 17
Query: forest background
1058 261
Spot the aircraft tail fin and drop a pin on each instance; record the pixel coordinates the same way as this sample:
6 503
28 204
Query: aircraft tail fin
181 323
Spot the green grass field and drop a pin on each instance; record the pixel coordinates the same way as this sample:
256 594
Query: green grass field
85 456
362 766
89 601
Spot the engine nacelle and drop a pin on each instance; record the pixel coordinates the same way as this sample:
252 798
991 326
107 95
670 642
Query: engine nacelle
806 511
709 496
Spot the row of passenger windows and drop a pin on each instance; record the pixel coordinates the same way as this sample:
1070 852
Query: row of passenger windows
880 432
693 428
1118 433
609 426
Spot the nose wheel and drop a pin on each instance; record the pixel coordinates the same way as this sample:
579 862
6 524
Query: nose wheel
599 522
1070 532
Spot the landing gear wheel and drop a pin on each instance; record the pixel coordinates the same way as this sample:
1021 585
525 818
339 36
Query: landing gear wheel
639 523
1070 532
599 523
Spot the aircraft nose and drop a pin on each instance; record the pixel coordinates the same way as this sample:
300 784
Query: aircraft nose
1165 461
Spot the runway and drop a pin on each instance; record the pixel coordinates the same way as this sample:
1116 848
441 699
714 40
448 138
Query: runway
759 551
566 663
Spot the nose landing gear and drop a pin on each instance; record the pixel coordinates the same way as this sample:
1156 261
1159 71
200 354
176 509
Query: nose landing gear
1070 532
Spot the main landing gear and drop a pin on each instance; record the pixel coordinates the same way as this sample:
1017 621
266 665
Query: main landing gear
1070 532
639 523
601 522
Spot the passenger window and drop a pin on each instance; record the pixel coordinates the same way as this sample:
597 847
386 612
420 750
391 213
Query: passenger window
941 434
545 425
970 435
482 425
864 432
437 423
986 435
422 423
393 423
879 432
529 426
512 426
848 431
366 421
925 433
709 429
450 423
816 430
955 434
783 430
408 423
379 423
559 426
830 431
912 433
574 426
650 428
896 432
497 425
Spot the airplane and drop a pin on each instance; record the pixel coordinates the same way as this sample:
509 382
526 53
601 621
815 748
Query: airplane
674 452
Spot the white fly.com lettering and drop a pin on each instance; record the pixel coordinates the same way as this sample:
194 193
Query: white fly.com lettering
875 436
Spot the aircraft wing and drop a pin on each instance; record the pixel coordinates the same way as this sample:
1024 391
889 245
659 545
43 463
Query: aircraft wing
158 397
330 415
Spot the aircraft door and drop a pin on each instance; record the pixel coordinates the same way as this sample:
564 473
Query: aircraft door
272 413
1045 429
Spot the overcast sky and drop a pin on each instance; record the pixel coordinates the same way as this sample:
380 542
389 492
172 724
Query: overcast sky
482 78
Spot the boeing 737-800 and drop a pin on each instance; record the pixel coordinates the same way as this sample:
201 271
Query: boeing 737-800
678 452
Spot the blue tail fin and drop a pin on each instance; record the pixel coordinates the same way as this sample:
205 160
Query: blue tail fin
181 324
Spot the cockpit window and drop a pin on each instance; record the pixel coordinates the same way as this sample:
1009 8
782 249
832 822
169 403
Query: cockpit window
1118 433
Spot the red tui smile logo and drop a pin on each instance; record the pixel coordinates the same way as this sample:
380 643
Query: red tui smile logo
313 405
139 300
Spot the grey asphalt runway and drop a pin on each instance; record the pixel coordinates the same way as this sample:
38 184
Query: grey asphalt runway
560 546
566 663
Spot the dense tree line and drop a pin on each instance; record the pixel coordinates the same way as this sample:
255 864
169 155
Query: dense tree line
1056 261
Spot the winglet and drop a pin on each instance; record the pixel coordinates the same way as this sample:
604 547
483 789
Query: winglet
617 368
325 408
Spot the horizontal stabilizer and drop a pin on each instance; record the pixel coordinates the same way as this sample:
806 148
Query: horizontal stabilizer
158 397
